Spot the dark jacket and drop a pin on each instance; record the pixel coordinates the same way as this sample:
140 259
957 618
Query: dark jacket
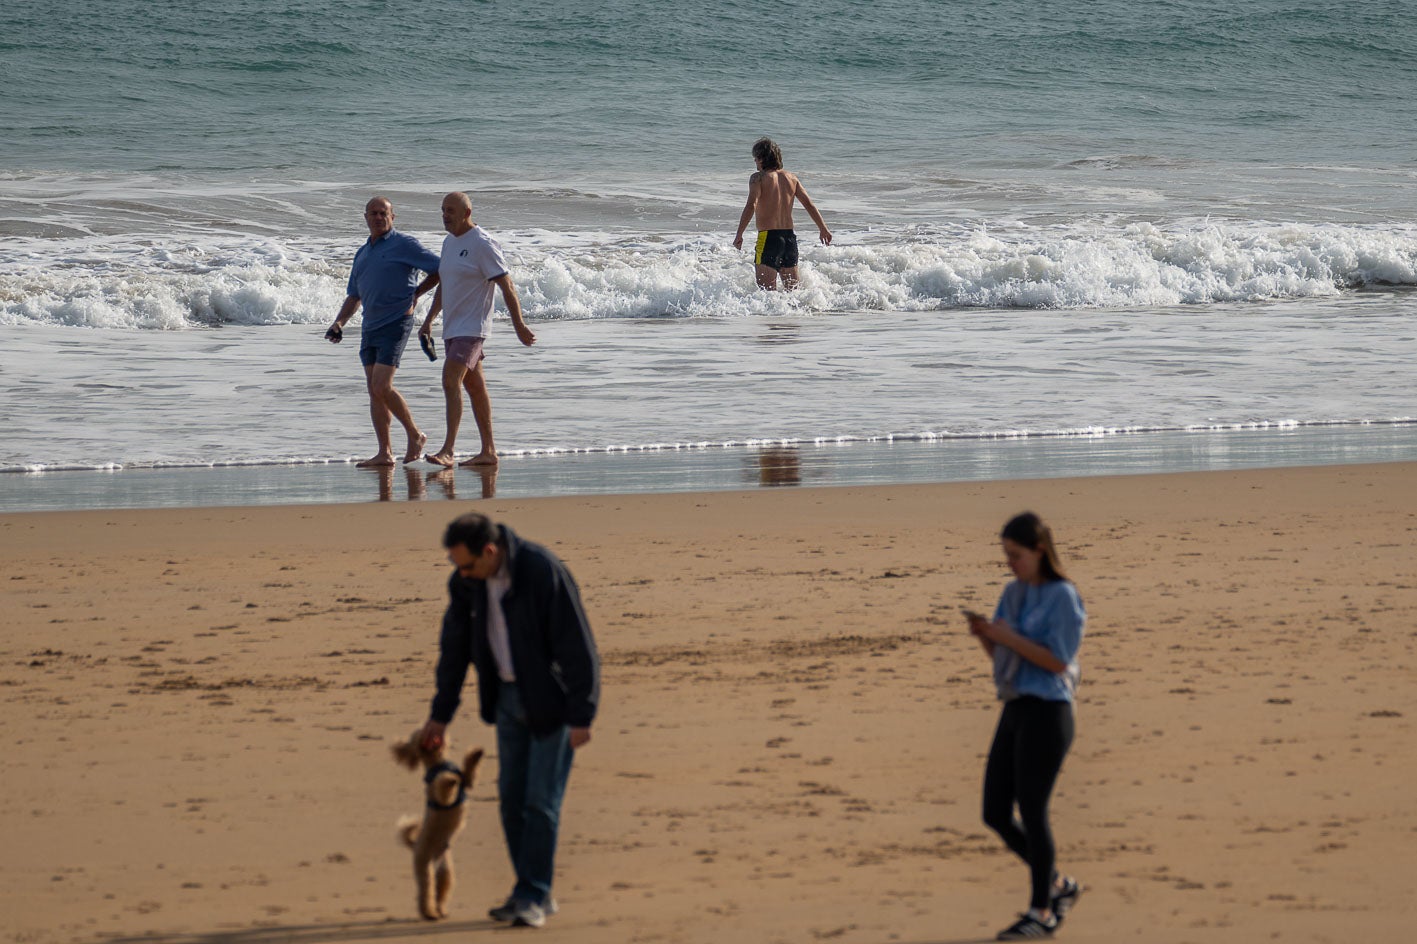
553 652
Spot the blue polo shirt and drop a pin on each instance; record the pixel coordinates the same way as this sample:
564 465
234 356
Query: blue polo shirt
384 275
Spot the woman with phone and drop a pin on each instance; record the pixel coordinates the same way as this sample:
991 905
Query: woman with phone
1033 640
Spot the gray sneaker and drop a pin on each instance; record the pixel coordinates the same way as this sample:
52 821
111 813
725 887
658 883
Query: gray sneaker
1062 898
507 910
529 916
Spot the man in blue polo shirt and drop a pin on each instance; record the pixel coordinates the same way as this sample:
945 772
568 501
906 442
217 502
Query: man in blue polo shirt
384 279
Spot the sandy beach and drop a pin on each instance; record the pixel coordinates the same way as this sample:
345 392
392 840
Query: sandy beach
198 705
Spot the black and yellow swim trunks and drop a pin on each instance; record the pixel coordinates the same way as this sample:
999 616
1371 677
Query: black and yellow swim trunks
777 248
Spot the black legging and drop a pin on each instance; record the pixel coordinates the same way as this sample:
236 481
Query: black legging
1028 750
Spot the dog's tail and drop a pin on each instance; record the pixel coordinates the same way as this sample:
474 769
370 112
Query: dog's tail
469 766
408 830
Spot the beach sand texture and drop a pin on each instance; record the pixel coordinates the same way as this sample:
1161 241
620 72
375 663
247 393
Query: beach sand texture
198 706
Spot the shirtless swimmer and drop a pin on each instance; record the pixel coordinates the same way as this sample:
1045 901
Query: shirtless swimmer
771 193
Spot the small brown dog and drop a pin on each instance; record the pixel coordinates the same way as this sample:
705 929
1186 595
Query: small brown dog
431 838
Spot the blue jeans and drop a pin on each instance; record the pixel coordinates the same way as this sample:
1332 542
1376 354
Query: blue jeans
531 780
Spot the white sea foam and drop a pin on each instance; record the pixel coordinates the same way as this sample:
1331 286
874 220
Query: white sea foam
142 283
280 394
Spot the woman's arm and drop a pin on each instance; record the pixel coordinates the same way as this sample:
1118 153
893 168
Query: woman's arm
1000 633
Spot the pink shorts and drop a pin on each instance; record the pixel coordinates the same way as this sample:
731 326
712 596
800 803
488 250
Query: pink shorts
466 351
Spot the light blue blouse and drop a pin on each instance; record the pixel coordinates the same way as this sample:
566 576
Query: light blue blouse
1051 615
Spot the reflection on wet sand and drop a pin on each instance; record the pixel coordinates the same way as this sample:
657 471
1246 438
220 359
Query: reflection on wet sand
779 465
418 481
443 478
488 474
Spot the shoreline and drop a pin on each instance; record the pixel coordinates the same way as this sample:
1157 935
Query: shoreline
785 377
717 468
198 704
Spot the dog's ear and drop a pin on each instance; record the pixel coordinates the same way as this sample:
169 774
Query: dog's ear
469 765
406 753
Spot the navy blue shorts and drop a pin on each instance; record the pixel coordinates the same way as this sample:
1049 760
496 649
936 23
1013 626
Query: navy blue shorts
385 345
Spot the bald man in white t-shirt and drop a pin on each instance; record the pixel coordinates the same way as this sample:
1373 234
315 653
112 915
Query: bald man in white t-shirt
472 267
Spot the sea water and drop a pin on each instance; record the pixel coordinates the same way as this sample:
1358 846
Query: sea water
1049 220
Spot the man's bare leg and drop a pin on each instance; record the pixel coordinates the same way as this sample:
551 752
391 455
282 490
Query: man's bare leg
380 417
453 374
381 381
476 383
789 277
767 278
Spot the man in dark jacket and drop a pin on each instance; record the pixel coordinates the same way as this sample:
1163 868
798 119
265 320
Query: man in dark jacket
514 613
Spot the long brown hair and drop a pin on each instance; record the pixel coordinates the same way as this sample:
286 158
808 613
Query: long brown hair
1028 530
765 150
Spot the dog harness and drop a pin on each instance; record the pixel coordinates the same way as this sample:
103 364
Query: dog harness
449 767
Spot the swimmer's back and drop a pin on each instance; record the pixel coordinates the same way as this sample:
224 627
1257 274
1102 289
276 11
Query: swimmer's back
777 190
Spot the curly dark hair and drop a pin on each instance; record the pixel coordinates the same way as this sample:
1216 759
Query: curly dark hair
765 150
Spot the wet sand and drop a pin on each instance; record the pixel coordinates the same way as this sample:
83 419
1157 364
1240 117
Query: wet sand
718 467
198 705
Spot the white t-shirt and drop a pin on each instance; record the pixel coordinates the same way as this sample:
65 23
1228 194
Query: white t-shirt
497 635
469 264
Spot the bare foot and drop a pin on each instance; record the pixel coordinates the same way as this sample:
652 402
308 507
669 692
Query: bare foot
443 458
482 458
382 459
415 447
